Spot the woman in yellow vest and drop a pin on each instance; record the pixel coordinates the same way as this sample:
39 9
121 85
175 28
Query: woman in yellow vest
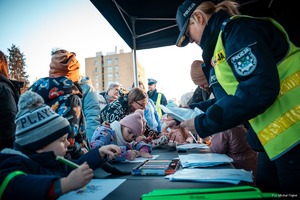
259 68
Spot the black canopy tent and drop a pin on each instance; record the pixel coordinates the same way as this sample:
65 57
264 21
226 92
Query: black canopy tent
145 24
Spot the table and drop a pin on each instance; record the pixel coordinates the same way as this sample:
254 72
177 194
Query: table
135 186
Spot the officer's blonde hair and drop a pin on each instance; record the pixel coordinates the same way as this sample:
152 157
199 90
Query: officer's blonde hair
208 8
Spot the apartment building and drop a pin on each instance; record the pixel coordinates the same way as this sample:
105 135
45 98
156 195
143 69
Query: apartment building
113 67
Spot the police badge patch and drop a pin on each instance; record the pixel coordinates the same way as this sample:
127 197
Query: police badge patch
244 62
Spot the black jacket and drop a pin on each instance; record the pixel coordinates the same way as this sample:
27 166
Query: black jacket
9 97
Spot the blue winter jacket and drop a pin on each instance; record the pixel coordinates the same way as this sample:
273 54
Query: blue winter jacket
91 106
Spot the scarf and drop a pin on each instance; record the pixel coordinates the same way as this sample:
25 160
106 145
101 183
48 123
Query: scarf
116 126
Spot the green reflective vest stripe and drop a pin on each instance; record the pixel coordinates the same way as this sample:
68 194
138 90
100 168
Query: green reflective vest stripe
157 104
7 179
278 127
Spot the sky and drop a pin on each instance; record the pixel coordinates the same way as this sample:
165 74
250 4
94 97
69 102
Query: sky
37 26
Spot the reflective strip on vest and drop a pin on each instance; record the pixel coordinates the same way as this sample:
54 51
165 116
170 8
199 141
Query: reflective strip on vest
157 104
278 127
7 179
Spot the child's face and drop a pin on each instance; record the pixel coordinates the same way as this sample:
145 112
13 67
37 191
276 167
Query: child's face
128 134
59 146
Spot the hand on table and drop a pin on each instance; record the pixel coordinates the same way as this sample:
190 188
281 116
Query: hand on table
111 150
146 155
133 154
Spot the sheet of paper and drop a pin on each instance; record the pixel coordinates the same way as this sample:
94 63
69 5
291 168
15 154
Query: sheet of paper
141 159
96 189
233 176
204 159
181 114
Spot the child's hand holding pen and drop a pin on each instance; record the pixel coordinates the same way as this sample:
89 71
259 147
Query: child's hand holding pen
132 154
78 178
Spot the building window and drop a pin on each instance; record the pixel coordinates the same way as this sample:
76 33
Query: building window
116 68
109 69
96 69
109 61
96 62
109 75
116 60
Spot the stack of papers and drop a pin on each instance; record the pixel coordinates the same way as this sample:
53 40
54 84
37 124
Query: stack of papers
184 147
204 160
233 176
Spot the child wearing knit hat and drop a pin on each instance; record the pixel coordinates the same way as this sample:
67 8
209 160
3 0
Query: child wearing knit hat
73 97
124 133
41 137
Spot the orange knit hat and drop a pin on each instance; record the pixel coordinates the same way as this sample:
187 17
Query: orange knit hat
64 63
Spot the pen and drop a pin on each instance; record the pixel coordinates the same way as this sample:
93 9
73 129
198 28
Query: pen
193 136
67 162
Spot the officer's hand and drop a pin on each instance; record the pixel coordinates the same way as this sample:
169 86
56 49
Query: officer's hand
189 124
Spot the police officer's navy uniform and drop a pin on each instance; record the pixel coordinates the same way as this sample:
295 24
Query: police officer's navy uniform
257 87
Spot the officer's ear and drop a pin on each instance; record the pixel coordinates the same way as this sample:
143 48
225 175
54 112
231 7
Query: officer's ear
199 18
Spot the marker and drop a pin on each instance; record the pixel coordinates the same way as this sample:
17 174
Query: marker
193 136
67 162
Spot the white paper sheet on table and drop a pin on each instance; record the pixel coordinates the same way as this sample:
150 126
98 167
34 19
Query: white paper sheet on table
233 176
95 189
141 159
204 159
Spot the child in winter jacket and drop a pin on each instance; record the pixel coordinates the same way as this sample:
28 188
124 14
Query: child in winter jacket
174 132
62 92
124 133
41 136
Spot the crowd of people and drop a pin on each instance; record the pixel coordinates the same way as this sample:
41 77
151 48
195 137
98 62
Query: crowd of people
247 91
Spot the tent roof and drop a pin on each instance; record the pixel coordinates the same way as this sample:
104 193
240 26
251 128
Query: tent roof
148 16
150 24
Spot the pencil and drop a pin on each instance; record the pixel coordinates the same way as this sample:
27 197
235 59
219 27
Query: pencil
67 162
193 136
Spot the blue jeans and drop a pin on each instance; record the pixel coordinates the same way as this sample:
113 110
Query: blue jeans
281 175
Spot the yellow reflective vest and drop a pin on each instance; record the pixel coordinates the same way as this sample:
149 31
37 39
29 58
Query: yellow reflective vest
157 105
278 128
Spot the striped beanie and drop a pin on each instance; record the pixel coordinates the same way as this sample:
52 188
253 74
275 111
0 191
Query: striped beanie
37 124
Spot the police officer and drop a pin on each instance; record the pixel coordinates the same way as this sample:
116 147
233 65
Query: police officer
259 68
157 97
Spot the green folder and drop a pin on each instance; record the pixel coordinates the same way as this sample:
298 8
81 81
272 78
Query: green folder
237 192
